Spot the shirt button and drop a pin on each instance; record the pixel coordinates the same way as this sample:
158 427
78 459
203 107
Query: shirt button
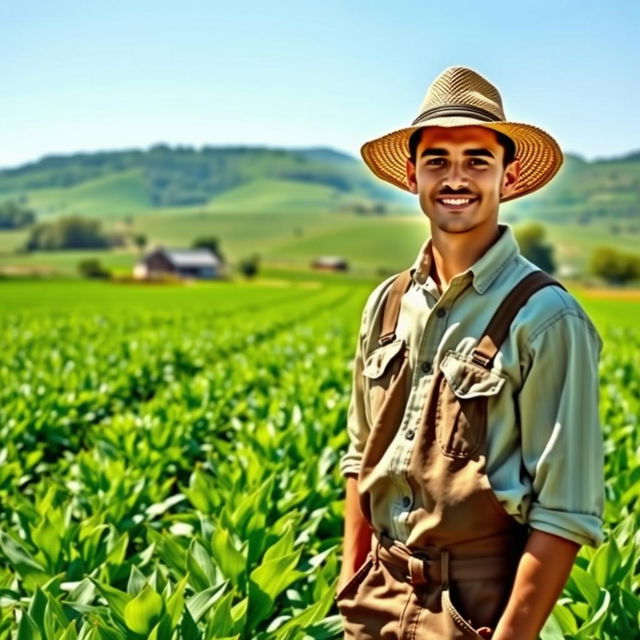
441 312
406 501
409 435
426 366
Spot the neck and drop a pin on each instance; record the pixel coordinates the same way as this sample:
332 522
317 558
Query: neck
454 253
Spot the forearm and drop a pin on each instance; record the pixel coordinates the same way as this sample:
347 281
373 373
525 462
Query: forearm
541 575
357 532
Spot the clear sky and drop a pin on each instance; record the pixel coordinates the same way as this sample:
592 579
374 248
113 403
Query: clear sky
119 74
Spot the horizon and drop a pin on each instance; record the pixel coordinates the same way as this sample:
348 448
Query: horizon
231 146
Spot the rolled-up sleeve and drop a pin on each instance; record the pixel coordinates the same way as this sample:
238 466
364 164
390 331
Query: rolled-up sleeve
562 443
357 425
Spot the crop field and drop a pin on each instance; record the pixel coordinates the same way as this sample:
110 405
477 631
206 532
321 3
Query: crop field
169 463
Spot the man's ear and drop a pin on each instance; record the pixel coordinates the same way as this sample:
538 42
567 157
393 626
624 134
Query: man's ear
410 169
510 178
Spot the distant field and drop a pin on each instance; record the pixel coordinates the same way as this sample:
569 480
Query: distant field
370 243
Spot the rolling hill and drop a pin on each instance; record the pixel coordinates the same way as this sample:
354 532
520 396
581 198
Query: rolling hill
248 179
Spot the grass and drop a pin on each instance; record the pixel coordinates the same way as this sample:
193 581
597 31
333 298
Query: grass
115 195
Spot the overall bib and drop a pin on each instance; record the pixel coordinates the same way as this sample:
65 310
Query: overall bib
453 576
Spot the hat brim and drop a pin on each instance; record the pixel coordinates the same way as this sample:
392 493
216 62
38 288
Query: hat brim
539 154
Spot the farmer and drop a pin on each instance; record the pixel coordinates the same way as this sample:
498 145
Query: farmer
475 466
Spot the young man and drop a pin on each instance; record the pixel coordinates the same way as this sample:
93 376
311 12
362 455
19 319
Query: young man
475 466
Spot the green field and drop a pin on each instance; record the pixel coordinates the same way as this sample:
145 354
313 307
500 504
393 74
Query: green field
370 243
169 461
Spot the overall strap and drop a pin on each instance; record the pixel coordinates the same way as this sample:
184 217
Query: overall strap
392 307
498 327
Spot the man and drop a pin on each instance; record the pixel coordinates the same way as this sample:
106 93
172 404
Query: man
475 466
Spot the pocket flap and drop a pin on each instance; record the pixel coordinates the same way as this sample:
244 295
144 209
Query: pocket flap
469 380
379 358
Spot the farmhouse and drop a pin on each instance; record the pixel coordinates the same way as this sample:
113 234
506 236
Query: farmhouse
183 263
330 263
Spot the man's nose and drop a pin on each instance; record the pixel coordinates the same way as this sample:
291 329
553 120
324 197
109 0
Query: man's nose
455 178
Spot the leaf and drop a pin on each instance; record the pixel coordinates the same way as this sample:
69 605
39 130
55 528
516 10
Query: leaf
188 628
47 539
200 603
70 632
200 568
37 607
143 612
27 628
137 581
282 547
175 603
605 563
116 599
585 584
564 618
31 571
220 622
311 615
117 552
106 633
591 628
231 562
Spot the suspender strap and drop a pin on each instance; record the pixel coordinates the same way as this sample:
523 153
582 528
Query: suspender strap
498 326
392 307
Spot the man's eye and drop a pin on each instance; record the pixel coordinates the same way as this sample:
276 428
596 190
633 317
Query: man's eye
435 161
477 161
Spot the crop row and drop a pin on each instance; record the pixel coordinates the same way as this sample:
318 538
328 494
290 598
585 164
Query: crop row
173 474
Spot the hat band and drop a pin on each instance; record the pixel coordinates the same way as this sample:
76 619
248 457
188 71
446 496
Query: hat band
457 110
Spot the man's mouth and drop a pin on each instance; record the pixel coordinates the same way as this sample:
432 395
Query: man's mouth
456 204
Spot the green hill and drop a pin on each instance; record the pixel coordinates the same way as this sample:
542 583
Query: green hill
584 192
249 179
258 179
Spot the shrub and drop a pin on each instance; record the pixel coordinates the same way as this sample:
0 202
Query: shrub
616 267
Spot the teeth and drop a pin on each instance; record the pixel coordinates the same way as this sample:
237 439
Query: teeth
456 201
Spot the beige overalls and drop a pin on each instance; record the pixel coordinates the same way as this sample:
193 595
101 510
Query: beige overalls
453 577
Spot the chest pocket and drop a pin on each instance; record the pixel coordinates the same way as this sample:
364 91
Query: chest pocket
461 405
381 368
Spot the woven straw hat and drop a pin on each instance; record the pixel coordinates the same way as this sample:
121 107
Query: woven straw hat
460 96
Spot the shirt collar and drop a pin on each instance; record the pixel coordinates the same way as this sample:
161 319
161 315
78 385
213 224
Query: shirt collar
484 271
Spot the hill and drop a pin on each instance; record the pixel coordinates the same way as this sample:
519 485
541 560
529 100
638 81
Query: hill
584 192
110 184
258 179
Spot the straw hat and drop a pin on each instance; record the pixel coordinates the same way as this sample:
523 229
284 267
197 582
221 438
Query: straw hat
460 96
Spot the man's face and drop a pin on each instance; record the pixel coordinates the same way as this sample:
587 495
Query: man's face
459 176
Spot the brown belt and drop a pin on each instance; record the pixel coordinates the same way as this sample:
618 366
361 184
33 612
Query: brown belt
421 566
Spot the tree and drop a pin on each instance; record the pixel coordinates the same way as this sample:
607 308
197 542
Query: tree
616 267
140 240
249 266
73 232
91 268
209 242
14 215
531 240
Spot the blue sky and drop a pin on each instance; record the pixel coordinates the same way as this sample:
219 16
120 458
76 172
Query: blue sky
109 75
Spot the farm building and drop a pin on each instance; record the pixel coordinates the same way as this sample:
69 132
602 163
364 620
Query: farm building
184 263
330 263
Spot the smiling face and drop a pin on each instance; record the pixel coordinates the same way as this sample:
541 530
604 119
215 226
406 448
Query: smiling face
459 177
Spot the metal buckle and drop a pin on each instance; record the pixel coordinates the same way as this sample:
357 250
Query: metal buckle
480 359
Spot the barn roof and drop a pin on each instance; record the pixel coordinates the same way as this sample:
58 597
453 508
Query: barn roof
190 257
